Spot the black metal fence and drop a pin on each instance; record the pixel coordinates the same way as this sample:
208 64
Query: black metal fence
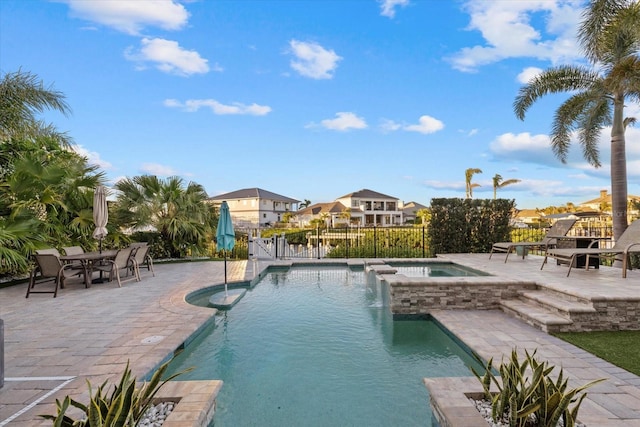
367 242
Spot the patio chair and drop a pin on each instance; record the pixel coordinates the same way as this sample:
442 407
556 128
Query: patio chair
628 243
49 268
559 229
141 258
122 261
75 250
51 251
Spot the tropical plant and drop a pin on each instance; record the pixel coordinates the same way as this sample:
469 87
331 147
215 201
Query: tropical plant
528 396
468 175
304 204
179 214
424 215
22 95
123 407
498 182
609 34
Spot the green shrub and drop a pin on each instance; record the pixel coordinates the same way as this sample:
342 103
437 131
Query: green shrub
123 407
527 394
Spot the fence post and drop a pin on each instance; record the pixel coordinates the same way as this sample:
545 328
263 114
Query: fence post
346 240
275 245
375 241
318 240
423 241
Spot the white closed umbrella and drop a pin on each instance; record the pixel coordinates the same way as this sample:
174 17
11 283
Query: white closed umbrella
100 214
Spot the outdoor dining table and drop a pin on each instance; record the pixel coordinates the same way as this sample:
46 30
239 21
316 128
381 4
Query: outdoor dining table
89 259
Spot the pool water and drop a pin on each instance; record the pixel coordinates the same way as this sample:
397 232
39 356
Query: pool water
436 269
315 347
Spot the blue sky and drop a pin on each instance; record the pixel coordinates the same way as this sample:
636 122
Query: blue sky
313 99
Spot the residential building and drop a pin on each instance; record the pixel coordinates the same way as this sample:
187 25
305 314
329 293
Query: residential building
333 214
255 207
603 204
371 208
410 211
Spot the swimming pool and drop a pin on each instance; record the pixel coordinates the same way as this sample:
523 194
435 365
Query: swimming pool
316 347
435 269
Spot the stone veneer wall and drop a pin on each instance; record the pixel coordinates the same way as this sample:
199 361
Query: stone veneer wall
421 295
610 315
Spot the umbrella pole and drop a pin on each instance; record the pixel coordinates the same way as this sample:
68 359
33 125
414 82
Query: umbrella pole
225 273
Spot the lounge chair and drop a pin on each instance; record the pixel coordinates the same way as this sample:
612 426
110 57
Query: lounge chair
49 268
628 243
559 229
122 261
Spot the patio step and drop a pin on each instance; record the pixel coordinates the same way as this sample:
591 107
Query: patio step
557 302
536 315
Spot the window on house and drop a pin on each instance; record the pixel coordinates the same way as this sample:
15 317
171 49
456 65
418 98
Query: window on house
391 206
264 215
367 206
378 206
355 203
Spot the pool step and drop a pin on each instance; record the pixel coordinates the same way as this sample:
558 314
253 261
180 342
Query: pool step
548 311
535 315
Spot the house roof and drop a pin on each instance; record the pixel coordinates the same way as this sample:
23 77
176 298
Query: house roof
367 194
253 193
607 199
318 208
413 207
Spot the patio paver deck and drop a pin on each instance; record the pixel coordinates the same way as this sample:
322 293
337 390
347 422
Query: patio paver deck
91 333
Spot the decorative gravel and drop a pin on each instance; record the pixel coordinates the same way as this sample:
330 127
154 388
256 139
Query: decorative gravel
484 407
156 414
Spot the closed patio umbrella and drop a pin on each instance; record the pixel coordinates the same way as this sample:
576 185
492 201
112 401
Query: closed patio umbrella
100 214
225 236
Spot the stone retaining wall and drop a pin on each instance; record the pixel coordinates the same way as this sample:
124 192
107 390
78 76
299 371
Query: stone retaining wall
410 295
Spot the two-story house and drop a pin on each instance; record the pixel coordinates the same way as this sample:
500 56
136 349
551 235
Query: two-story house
371 208
255 207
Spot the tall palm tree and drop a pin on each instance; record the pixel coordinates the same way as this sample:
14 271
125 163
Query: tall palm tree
468 174
609 34
498 182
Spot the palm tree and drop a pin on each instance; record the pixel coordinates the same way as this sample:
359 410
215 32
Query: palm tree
499 183
609 34
304 204
22 95
179 214
470 186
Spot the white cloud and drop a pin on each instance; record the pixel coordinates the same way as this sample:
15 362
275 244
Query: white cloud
426 125
528 73
92 157
444 185
159 170
387 125
508 33
388 7
193 105
167 56
132 16
524 147
345 121
312 60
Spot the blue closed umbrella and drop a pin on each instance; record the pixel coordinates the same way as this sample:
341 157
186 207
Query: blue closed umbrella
225 236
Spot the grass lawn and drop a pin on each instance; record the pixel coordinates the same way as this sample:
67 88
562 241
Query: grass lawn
620 347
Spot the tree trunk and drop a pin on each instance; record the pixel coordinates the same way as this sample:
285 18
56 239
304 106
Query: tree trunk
618 169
